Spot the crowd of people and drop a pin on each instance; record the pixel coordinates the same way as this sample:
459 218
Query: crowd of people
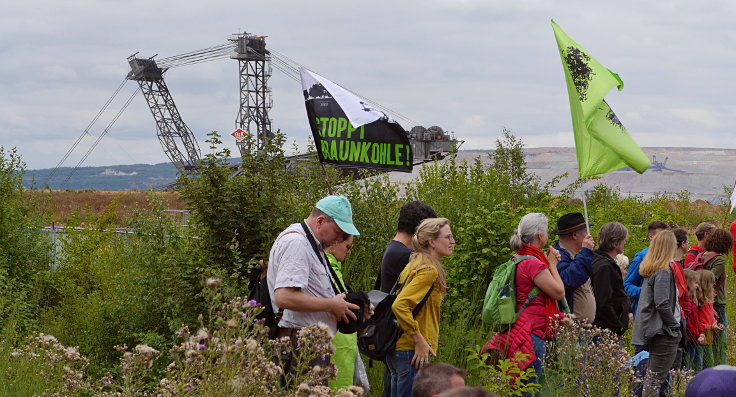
672 295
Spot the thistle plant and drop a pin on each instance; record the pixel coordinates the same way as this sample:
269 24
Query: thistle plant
504 378
587 361
44 365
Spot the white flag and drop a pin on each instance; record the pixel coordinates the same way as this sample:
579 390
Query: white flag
733 200
358 111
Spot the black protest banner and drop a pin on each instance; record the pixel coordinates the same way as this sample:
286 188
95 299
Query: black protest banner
381 144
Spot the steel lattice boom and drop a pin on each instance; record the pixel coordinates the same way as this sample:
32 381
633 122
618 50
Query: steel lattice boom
169 125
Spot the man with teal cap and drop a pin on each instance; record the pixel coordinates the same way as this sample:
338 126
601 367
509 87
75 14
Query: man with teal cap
300 281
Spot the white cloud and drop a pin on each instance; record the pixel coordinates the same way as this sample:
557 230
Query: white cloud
470 66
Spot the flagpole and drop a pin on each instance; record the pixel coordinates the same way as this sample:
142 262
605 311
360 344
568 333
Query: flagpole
585 209
327 179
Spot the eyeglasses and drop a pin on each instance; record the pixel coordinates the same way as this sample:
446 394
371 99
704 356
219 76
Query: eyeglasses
449 237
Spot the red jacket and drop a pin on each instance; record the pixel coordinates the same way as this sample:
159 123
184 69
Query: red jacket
683 297
531 320
693 321
690 256
707 318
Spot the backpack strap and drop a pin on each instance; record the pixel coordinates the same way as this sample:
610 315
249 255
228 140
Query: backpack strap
419 306
532 295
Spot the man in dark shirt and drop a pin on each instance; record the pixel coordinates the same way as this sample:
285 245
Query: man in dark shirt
397 254
399 249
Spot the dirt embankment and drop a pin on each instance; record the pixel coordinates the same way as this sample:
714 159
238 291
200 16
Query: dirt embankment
63 205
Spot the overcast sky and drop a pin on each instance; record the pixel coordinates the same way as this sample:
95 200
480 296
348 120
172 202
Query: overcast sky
472 67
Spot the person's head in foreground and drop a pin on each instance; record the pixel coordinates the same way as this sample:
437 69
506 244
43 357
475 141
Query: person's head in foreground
713 382
435 378
467 392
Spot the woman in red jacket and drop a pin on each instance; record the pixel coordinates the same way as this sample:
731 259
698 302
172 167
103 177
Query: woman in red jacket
532 328
693 351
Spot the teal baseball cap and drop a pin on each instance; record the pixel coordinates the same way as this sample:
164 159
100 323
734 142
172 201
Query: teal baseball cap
339 209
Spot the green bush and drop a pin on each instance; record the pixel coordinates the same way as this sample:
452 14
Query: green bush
24 250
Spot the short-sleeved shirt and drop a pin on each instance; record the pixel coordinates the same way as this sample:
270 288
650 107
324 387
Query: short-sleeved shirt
394 261
293 263
536 310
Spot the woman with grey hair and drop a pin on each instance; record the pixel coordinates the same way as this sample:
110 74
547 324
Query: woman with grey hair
537 272
611 302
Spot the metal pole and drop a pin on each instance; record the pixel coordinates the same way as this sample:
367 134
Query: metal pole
327 179
585 208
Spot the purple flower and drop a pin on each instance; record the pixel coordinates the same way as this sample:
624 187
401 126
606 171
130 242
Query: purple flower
252 303
202 346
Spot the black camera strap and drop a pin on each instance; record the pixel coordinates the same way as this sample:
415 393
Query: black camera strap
323 259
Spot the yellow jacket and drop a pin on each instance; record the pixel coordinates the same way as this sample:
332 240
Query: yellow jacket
421 275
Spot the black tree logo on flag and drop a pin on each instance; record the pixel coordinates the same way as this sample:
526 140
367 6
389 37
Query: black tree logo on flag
316 91
614 119
581 73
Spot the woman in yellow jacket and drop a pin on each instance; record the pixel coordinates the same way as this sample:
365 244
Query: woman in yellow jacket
432 241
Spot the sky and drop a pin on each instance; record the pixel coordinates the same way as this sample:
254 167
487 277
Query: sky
473 67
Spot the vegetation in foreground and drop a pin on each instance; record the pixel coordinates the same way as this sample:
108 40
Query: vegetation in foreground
141 289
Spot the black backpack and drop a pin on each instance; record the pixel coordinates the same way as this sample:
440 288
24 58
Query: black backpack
382 330
258 288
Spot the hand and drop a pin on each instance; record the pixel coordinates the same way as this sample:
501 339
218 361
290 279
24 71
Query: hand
718 326
342 309
553 256
701 339
631 318
422 350
588 242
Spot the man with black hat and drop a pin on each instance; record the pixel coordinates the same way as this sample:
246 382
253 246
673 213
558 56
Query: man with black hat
576 263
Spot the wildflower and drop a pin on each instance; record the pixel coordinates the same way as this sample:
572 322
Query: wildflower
252 303
202 334
212 283
146 350
182 332
251 345
47 339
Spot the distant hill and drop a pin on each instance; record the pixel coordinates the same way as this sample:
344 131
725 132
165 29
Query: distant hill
113 177
702 172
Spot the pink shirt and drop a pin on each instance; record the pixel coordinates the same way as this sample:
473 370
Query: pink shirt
536 310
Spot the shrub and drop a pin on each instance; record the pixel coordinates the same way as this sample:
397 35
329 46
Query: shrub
24 250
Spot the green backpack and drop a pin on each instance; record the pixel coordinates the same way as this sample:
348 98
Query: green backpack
499 304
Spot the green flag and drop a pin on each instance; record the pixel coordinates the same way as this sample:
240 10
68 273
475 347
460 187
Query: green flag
602 143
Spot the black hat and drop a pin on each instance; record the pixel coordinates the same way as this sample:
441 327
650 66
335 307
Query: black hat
357 298
569 223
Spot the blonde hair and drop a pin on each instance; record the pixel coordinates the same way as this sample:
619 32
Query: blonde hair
429 229
660 254
692 277
707 286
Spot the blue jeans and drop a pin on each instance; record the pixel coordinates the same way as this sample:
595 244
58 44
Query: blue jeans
402 372
540 350
694 356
